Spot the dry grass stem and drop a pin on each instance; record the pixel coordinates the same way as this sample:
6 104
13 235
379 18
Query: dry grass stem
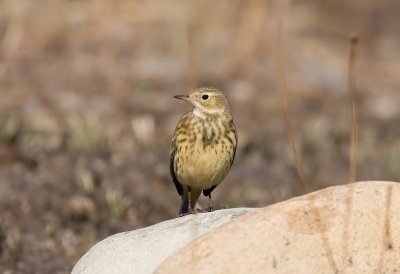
280 64
352 101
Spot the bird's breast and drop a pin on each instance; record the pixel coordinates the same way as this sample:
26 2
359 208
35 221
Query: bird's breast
207 156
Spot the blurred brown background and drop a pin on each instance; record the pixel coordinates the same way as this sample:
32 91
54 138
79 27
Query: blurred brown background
87 114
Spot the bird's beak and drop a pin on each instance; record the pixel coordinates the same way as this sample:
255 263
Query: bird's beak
182 97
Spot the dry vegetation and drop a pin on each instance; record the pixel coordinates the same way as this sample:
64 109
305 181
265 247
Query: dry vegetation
86 110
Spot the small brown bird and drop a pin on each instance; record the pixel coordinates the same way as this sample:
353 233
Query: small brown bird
203 146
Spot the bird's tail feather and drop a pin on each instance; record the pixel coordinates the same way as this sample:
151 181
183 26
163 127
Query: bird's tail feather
184 207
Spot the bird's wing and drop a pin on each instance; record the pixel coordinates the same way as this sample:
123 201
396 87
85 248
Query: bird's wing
207 192
178 185
234 141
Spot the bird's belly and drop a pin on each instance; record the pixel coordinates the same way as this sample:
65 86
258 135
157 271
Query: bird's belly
204 167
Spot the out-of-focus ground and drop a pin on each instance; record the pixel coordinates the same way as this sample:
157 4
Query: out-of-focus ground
87 114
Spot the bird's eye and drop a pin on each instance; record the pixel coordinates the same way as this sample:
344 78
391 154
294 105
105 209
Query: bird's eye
204 97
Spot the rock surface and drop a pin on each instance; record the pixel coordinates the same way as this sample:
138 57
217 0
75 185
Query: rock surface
142 250
351 228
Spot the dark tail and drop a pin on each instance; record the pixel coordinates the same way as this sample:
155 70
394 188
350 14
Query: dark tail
184 207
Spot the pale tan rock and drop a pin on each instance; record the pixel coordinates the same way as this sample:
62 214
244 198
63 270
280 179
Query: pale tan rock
352 228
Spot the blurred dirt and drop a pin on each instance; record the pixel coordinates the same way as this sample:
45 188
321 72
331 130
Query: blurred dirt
87 114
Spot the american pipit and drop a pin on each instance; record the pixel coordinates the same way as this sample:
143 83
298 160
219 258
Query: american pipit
203 146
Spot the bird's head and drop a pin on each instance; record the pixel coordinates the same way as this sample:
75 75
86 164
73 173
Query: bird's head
207 101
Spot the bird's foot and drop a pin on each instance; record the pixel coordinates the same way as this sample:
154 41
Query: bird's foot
209 209
190 212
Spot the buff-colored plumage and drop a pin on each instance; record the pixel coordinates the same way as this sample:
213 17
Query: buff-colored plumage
203 146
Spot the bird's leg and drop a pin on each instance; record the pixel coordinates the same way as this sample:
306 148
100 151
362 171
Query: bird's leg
190 210
210 205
